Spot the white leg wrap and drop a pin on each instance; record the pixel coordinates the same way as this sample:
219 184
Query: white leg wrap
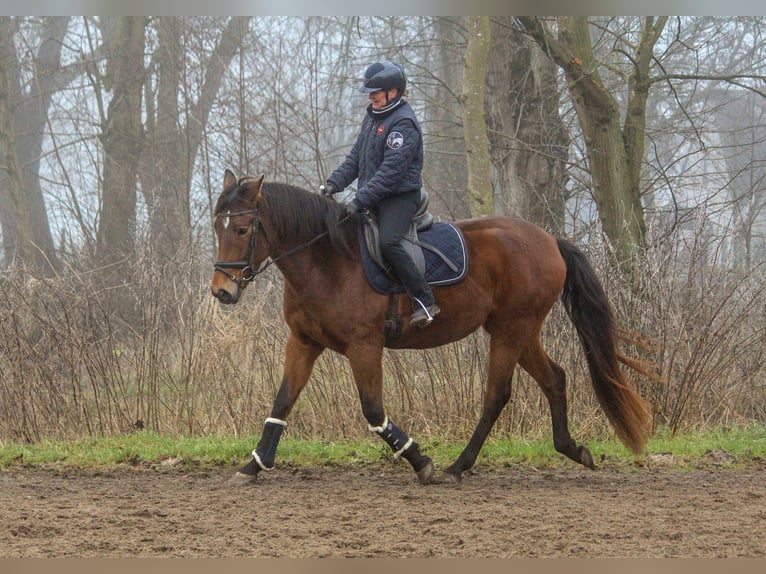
258 460
276 421
394 437
268 444
399 452
379 429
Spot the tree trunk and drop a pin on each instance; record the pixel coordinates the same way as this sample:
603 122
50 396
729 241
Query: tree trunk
480 192
26 119
167 191
445 168
122 138
23 235
599 116
529 143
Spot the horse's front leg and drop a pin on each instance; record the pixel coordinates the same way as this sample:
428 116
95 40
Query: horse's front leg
368 376
300 355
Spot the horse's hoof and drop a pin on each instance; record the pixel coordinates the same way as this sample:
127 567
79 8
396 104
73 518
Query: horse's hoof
585 457
426 474
446 477
443 477
241 478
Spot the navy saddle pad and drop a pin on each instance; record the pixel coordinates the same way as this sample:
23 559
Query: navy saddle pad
443 236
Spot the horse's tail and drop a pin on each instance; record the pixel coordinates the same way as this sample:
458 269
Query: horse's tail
588 307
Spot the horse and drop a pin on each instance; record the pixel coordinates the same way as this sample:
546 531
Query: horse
516 273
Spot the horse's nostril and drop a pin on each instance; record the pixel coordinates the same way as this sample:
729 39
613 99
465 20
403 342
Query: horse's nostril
223 296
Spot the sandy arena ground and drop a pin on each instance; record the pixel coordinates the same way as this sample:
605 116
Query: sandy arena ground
383 512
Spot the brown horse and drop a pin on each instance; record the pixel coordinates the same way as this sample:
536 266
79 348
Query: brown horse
516 273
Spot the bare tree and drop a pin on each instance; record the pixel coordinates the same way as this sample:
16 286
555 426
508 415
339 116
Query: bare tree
610 78
480 192
441 80
742 122
175 124
122 139
26 228
289 108
529 142
615 151
706 136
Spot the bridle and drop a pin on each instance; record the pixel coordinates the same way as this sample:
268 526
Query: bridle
247 265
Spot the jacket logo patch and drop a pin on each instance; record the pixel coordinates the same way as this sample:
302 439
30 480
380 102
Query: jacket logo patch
395 140
381 129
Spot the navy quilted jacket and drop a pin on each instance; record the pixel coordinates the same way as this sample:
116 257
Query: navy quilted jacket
387 157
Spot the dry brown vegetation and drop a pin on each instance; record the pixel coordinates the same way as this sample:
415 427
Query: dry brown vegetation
81 358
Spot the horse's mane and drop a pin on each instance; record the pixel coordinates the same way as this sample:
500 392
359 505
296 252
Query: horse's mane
300 216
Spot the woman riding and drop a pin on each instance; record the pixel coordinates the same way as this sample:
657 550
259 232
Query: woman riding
387 159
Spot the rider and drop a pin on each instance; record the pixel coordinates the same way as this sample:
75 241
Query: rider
387 158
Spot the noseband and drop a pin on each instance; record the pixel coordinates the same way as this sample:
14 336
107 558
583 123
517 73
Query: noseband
246 265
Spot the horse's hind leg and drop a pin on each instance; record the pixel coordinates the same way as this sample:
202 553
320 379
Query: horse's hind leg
552 380
503 356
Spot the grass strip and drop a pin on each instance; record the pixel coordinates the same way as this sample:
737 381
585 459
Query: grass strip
734 446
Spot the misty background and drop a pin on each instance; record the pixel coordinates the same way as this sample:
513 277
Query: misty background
641 139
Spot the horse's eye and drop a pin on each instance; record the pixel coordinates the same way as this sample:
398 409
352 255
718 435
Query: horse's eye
242 231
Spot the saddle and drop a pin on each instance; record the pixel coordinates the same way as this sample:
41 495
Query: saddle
421 221
437 248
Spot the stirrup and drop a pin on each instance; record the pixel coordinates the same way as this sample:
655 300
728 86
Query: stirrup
423 316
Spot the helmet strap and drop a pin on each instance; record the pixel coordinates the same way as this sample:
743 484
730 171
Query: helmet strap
398 96
390 105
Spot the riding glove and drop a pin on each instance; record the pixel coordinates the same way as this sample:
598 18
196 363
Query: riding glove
353 206
327 190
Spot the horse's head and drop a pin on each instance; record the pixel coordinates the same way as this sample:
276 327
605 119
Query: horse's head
237 226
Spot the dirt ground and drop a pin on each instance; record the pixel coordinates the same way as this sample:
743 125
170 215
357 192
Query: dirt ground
384 512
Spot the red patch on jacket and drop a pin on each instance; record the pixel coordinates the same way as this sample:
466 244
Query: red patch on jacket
381 129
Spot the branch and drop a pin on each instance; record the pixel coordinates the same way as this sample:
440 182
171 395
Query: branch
217 64
729 79
539 31
584 80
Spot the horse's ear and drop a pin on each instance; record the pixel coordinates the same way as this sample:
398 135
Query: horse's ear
229 180
259 184
252 187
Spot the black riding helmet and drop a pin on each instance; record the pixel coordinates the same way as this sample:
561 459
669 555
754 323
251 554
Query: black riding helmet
384 76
